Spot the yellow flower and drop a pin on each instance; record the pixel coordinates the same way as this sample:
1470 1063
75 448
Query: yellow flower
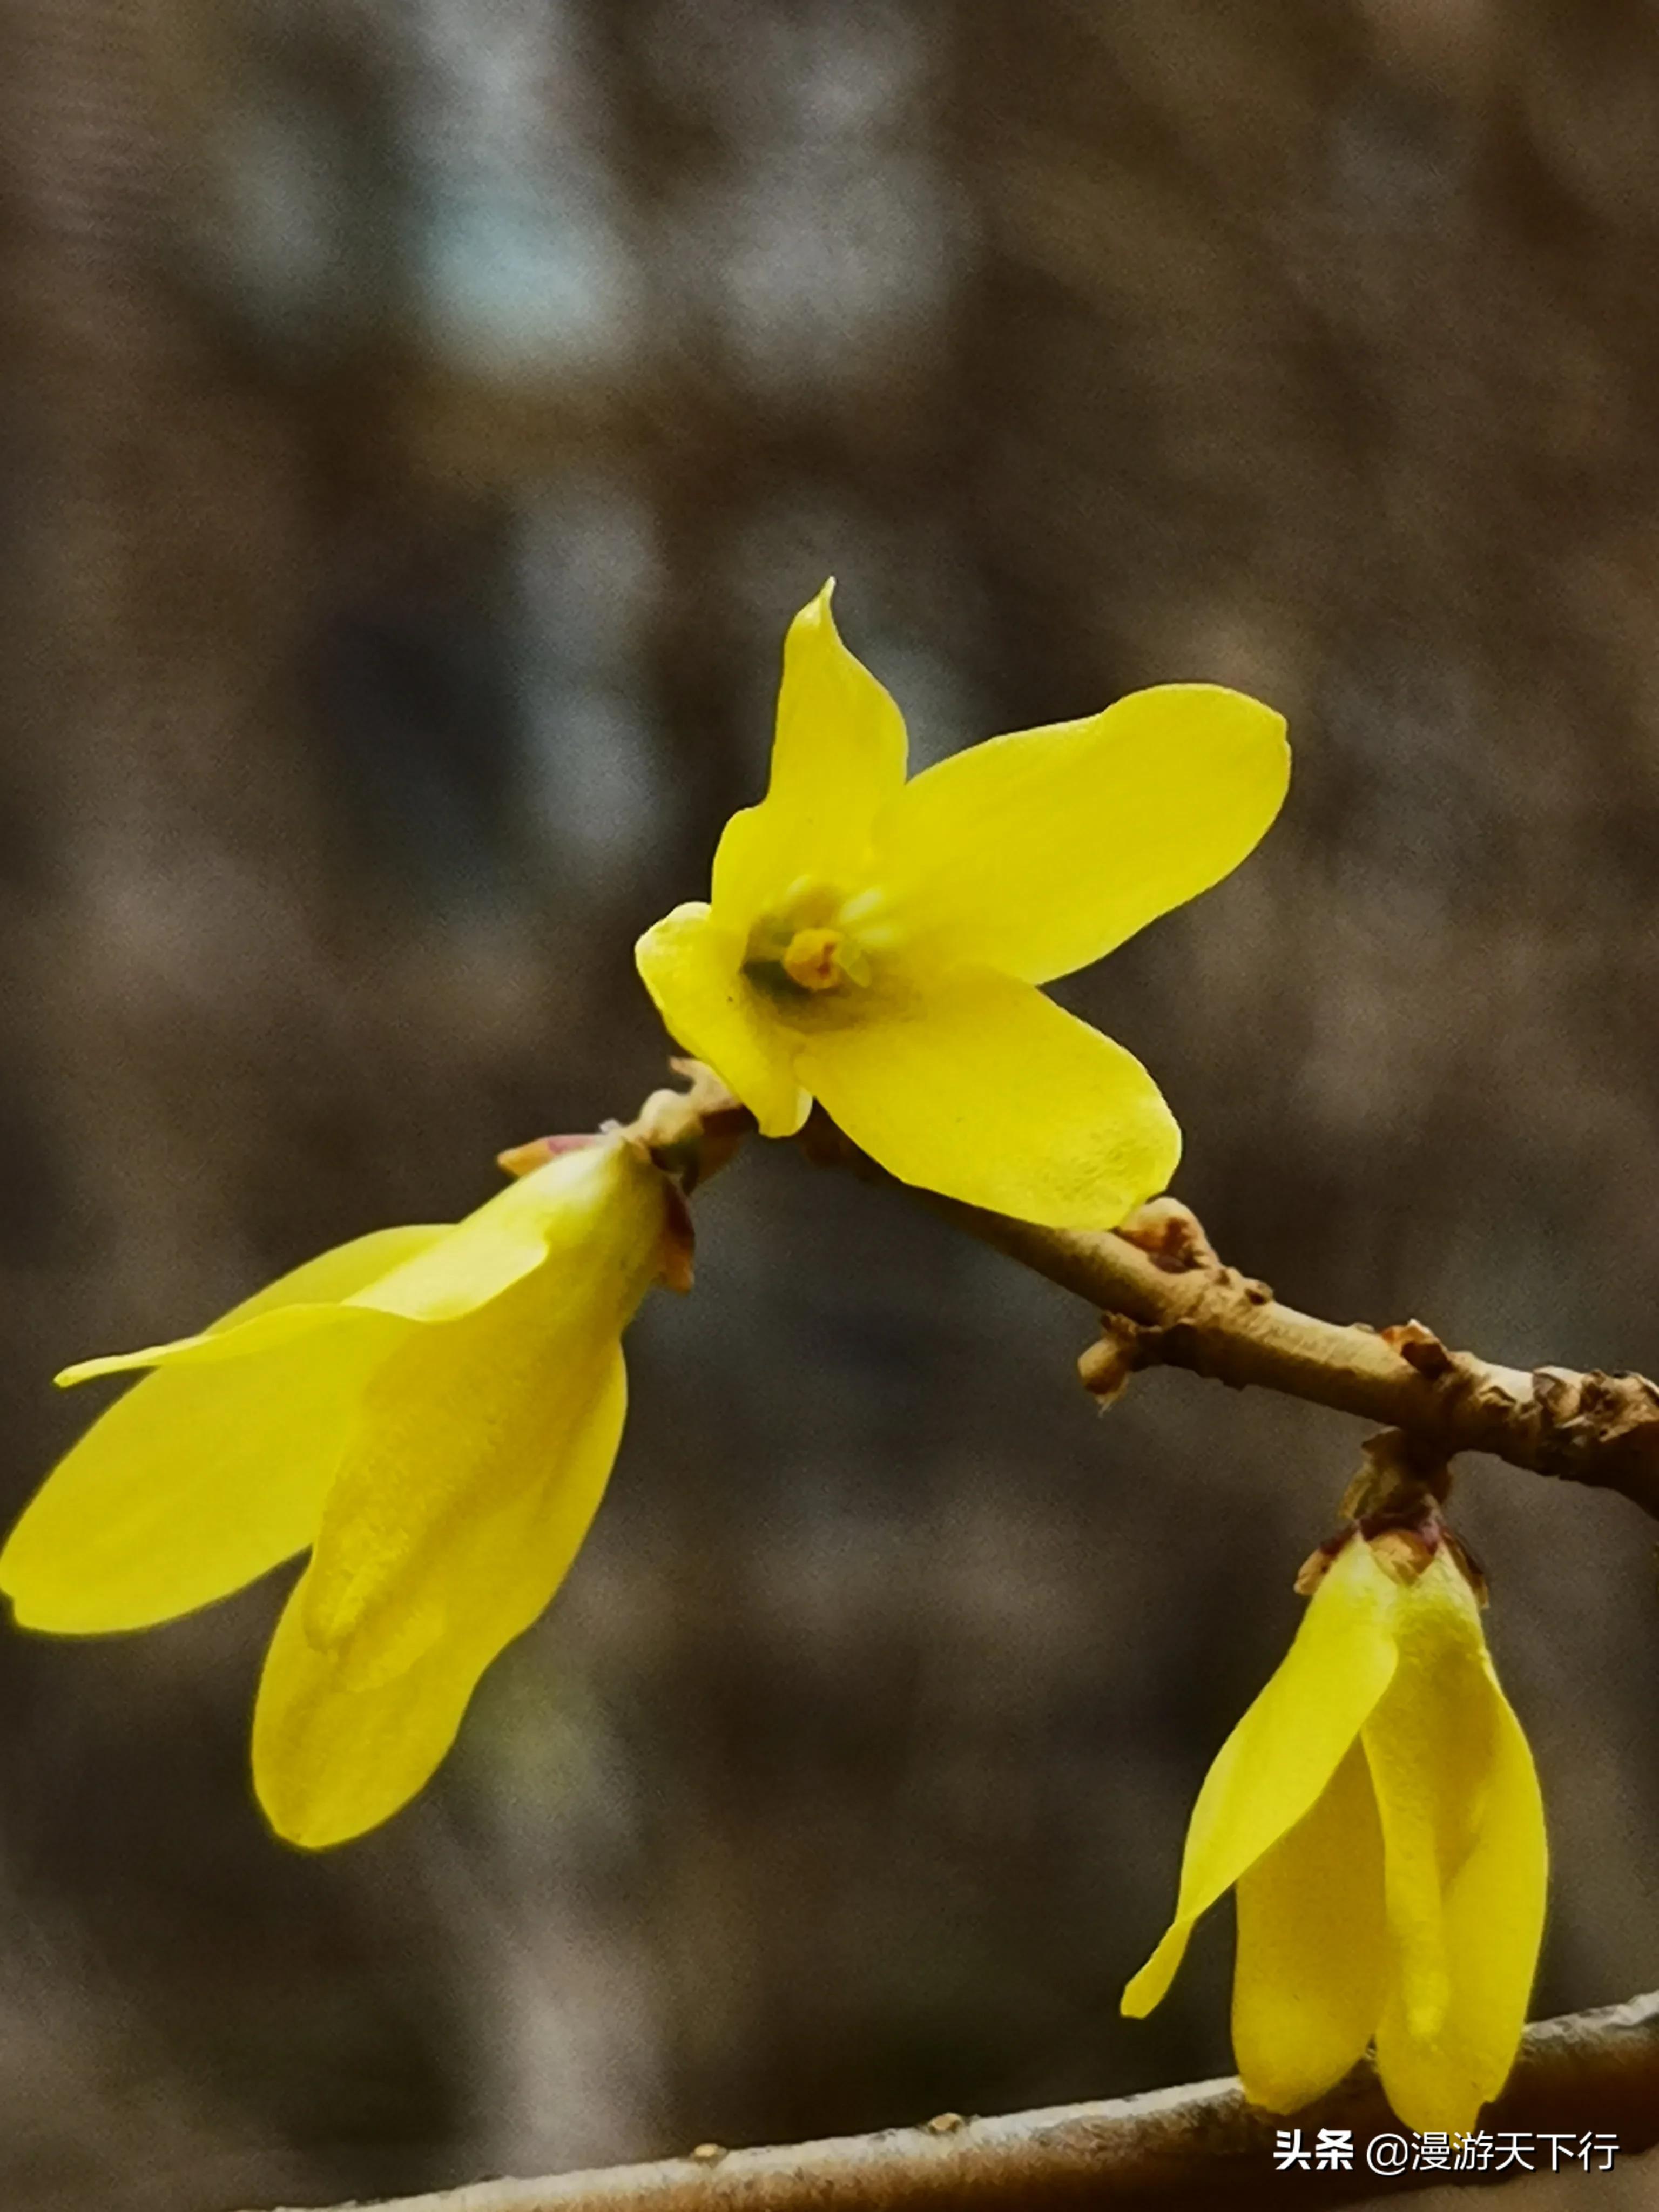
876 944
433 1411
1378 1811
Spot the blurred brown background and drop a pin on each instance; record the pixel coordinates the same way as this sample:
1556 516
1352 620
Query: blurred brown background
420 419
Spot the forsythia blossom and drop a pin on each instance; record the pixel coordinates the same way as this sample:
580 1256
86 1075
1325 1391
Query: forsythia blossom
433 1411
1378 1812
876 945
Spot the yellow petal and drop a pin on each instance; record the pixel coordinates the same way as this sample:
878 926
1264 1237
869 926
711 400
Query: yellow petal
1038 852
1490 1823
1312 1968
452 1426
982 1088
331 1759
261 1335
1284 1753
306 1298
435 1275
593 1204
694 970
479 1407
480 1451
201 1478
1430 1743
837 758
1495 1915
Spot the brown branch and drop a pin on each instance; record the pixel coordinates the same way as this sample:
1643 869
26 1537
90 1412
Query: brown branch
1593 2072
1167 1300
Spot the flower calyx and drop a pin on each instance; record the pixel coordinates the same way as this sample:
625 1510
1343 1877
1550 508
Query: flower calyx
1393 1505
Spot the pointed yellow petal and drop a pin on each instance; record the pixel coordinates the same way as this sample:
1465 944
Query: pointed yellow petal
1489 1827
1283 1753
1038 852
1495 1914
982 1088
1313 1960
201 1478
837 758
1429 1744
292 1306
423 1274
259 1335
331 1759
694 970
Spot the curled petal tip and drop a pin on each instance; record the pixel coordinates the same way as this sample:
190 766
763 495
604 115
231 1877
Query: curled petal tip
817 608
89 1370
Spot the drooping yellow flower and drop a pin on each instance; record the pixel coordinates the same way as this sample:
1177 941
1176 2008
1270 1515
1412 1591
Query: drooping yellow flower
876 945
433 1411
1378 1812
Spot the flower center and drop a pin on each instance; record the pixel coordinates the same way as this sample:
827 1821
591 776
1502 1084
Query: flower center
805 947
821 959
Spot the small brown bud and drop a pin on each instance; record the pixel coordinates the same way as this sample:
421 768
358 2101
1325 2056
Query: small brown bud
1107 1366
1170 1233
1419 1347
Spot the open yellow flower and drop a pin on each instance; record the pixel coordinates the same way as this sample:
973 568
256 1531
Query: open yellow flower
876 945
434 1411
1378 1812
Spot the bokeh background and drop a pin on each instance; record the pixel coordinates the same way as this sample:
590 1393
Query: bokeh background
418 420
